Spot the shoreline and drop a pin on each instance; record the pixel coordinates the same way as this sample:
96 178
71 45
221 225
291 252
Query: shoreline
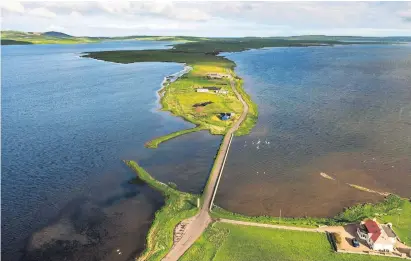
176 76
167 80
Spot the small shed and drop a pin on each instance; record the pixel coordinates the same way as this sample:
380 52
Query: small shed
212 88
202 90
217 75
222 91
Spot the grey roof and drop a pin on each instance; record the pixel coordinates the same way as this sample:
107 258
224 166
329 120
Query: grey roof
388 231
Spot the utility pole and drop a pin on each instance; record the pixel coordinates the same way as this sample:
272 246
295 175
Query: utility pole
279 218
198 202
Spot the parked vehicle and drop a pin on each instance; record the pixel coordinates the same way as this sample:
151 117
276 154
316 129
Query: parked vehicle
355 242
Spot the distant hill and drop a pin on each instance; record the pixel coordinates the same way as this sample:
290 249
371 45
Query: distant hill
51 37
54 37
57 34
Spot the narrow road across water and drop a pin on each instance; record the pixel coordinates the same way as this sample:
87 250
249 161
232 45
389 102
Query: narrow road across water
199 223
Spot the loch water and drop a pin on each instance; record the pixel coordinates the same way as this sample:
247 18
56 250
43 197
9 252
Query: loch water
67 124
343 111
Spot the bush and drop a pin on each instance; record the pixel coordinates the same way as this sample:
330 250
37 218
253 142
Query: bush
337 238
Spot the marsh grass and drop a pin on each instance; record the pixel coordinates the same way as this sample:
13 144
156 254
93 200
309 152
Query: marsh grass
155 142
178 206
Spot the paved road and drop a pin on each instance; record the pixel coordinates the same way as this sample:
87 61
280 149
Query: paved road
200 222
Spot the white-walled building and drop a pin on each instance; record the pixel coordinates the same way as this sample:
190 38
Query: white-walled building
222 91
217 75
378 237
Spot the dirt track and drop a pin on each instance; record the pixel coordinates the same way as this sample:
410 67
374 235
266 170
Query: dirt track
255 224
200 222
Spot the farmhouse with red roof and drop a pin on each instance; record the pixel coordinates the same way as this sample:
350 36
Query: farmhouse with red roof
378 237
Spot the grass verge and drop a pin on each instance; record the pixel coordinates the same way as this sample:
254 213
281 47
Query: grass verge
299 222
206 247
230 242
393 209
152 144
178 206
252 115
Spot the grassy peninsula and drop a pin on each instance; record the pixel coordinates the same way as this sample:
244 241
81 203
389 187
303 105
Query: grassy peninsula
209 70
181 97
178 206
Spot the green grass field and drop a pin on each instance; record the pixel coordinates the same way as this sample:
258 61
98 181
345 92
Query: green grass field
178 206
227 242
401 221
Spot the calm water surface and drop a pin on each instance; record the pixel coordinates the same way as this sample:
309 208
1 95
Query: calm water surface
67 122
344 111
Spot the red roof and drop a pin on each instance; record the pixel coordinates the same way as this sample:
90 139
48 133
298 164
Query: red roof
373 229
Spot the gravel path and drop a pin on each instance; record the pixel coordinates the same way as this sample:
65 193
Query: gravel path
247 223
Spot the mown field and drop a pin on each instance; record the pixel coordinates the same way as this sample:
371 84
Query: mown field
227 242
401 221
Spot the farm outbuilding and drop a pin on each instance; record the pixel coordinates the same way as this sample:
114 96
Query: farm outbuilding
217 75
222 92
